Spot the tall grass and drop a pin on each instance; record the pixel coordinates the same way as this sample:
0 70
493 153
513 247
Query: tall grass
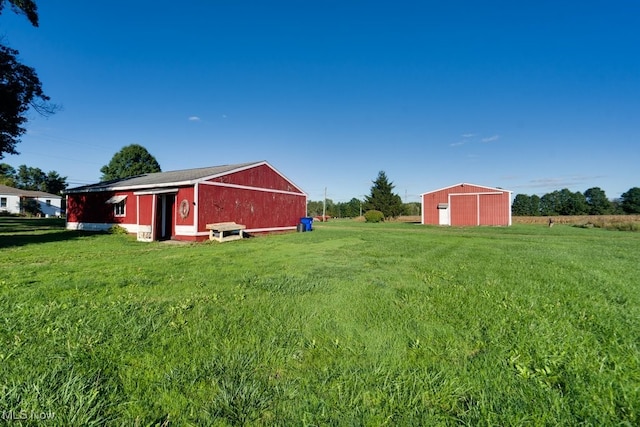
351 324
608 222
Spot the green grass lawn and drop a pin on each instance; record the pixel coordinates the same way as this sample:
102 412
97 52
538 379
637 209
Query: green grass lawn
351 324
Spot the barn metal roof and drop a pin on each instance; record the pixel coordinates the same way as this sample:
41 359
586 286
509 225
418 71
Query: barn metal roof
163 179
496 189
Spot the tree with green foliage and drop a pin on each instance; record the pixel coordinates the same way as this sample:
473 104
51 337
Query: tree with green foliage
534 203
630 201
597 201
550 204
563 202
20 87
131 160
521 205
373 216
315 208
27 8
32 178
413 208
7 175
350 209
572 203
383 199
54 183
31 207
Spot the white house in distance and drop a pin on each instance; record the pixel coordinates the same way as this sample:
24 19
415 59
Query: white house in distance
11 201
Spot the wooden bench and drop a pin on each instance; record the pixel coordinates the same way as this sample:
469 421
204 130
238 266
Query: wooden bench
225 231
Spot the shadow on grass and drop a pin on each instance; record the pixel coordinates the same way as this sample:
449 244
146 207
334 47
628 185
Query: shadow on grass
16 231
23 239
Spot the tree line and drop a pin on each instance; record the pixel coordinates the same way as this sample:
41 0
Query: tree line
594 201
32 178
382 199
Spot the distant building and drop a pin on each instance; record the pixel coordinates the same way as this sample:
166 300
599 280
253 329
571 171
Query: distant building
465 205
13 200
179 204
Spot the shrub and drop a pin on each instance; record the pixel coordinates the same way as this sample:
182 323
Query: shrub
117 229
373 216
31 207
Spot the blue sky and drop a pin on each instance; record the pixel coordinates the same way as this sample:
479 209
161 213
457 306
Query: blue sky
528 96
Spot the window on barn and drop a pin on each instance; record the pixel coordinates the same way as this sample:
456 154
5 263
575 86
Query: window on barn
3 202
118 208
48 202
119 205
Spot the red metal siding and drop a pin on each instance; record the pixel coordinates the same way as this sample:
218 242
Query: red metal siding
468 205
492 209
187 194
93 208
254 208
430 207
261 177
258 197
146 209
464 210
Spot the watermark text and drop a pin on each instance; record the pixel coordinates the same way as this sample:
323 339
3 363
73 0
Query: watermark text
27 415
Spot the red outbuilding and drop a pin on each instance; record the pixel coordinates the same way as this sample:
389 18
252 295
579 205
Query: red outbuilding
179 204
467 204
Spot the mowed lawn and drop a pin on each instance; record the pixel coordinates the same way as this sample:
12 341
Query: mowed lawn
351 324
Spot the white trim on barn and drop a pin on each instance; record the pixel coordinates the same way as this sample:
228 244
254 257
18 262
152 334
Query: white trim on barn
116 199
99 226
477 194
462 184
440 206
246 187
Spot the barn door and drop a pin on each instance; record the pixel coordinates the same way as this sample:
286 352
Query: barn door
443 214
165 216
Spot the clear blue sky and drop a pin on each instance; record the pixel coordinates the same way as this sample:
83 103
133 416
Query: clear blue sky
529 96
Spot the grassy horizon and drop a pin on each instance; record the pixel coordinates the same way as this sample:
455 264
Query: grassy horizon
351 324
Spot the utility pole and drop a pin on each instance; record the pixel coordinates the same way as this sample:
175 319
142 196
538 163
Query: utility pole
324 206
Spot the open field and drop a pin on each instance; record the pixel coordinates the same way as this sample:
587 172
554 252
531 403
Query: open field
351 324
613 222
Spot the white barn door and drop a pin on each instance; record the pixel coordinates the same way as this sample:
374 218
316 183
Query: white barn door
443 214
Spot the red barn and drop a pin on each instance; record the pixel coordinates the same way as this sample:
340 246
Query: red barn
179 204
467 204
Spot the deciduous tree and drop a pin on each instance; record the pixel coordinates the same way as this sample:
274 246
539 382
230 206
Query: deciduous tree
597 201
521 205
131 160
630 201
20 87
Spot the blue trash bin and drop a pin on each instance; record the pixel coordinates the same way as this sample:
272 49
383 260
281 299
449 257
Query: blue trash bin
307 221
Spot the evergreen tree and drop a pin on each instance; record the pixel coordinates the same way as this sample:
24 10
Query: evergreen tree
7 175
383 199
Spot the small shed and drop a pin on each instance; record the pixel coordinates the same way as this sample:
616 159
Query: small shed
179 204
467 205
